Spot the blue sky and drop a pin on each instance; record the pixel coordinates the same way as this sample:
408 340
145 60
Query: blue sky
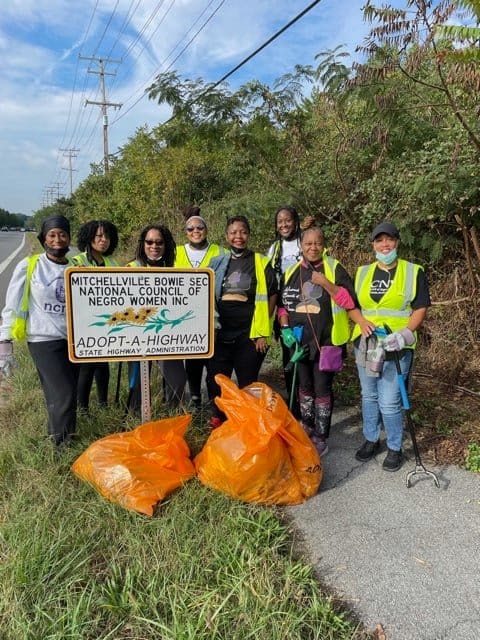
44 84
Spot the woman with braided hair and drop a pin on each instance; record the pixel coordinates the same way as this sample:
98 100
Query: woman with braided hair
284 253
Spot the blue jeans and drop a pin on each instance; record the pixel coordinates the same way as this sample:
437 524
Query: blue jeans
382 403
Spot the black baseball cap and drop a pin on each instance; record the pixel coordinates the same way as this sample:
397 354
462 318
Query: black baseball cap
385 227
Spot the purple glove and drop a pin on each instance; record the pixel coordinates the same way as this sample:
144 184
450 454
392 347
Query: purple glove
398 340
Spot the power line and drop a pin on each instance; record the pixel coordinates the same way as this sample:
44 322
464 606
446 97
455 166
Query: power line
157 8
249 57
106 28
126 21
75 83
238 66
178 56
125 56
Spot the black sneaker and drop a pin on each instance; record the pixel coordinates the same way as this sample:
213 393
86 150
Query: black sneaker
367 451
393 460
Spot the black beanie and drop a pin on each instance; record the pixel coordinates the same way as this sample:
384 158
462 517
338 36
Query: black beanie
53 222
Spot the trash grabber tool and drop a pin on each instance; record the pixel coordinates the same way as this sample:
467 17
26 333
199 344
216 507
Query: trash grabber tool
298 333
419 467
294 388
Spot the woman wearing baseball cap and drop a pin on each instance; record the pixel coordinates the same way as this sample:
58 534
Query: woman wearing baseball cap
394 292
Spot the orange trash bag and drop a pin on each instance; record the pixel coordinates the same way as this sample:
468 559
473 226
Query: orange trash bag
260 453
136 469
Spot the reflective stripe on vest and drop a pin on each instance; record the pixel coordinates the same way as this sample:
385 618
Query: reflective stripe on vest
32 262
262 322
394 308
19 325
182 259
340 331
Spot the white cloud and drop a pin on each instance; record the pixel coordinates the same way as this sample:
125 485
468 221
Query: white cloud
40 40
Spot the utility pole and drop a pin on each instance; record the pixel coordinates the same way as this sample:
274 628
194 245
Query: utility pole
104 104
70 153
45 197
55 190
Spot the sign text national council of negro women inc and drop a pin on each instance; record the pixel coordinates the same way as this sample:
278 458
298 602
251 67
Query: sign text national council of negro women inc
131 314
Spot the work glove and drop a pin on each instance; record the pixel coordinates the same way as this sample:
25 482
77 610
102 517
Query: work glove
398 340
7 360
288 337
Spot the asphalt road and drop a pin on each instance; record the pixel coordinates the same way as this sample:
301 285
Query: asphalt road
408 559
12 249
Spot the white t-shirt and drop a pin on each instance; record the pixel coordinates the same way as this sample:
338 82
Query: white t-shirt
291 253
46 308
196 255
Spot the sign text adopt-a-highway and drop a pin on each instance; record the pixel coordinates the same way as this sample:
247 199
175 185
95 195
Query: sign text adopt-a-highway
131 314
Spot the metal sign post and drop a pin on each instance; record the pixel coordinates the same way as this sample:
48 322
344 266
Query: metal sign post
145 390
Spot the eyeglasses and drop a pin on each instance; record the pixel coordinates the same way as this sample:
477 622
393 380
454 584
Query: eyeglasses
198 228
157 243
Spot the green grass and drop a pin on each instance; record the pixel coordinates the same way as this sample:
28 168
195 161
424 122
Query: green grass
472 462
74 566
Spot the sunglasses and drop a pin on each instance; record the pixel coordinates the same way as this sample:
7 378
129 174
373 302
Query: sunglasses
198 228
157 243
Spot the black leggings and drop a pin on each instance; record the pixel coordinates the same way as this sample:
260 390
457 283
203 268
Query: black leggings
312 381
239 355
87 371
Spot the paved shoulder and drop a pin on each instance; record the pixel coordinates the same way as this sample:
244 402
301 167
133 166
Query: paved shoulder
406 558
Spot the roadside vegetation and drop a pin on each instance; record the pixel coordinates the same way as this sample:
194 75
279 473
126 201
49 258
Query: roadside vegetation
396 136
75 566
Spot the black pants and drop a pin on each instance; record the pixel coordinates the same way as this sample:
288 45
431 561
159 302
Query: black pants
174 381
239 355
87 372
58 377
194 370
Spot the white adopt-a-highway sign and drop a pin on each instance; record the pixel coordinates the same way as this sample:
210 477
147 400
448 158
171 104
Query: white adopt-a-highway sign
126 313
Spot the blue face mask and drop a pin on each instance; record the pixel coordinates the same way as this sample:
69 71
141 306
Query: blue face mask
386 258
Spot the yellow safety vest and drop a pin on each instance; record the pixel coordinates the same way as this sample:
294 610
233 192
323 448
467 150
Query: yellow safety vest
19 325
81 260
394 308
182 260
340 329
262 321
